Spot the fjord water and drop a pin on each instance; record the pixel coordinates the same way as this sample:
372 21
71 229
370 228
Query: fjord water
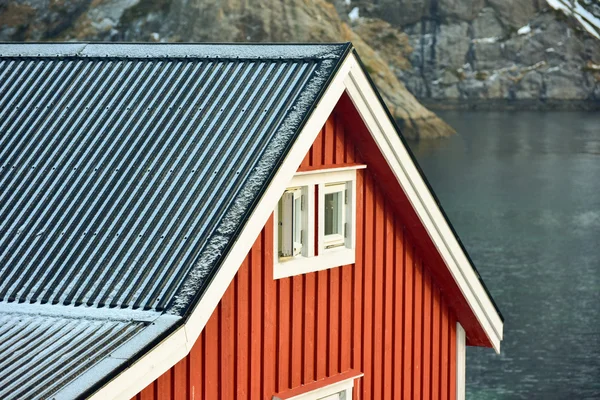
522 190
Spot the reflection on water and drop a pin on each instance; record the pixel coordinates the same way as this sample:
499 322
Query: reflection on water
522 190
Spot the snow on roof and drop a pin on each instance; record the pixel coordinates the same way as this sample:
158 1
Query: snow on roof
126 172
294 51
45 356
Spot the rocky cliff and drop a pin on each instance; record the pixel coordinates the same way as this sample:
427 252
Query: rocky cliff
447 53
220 21
490 53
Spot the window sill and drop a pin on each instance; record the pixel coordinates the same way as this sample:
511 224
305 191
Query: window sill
330 258
321 388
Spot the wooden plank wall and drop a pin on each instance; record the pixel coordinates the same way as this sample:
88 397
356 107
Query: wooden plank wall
383 316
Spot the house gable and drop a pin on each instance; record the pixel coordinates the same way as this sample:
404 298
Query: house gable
384 316
476 309
127 173
136 178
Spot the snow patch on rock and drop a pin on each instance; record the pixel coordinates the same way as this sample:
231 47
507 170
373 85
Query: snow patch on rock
354 14
524 30
486 40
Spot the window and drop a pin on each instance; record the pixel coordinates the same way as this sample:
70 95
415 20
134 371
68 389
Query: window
291 223
336 215
334 220
315 222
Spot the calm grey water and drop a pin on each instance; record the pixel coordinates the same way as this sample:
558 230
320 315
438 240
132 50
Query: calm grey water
522 190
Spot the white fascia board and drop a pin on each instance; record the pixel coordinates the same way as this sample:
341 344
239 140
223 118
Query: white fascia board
461 362
325 171
171 350
384 134
148 368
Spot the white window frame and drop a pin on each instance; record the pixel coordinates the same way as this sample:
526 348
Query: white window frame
461 362
289 227
344 389
337 239
326 258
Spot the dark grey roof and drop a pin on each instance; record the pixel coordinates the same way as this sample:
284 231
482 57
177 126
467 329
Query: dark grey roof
45 352
127 170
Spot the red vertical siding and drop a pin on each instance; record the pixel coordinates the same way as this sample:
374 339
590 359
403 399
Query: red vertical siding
383 316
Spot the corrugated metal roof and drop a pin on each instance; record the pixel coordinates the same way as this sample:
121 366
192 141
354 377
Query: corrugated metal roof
127 170
114 173
40 355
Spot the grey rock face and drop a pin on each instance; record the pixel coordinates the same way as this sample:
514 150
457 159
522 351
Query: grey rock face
465 10
530 86
488 56
487 25
400 12
406 12
569 84
452 44
515 13
37 19
495 50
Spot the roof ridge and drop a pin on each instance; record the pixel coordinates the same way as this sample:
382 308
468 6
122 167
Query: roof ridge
262 51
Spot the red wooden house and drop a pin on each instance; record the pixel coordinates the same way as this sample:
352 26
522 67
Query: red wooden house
221 222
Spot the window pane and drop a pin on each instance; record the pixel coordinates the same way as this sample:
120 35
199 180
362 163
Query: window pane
333 213
287 225
297 224
280 228
297 219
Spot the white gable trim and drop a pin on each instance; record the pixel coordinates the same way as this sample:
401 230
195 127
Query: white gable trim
384 133
351 79
148 368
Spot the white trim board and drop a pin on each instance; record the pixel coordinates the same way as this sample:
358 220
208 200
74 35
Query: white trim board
461 362
329 170
351 79
323 388
148 368
384 134
343 386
